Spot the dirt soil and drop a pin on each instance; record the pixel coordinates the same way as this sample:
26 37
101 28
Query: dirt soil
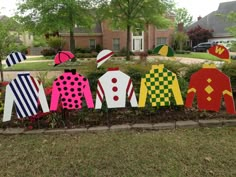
90 118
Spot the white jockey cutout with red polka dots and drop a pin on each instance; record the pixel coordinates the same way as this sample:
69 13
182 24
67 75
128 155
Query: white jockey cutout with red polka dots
114 85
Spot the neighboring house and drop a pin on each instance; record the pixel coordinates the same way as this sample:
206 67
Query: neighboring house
25 37
115 39
217 22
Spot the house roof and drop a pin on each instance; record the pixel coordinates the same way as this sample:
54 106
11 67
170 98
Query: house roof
3 17
216 20
96 28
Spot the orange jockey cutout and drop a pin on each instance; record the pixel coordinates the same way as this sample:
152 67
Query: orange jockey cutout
209 84
220 51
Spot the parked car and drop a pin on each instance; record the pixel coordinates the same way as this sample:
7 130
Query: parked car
202 47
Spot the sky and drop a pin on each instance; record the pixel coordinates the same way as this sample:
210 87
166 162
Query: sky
195 8
198 8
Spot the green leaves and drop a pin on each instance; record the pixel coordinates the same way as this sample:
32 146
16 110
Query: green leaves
42 16
182 16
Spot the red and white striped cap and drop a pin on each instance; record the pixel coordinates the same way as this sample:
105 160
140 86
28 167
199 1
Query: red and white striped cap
103 56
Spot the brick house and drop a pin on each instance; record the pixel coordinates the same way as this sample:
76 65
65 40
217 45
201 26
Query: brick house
115 39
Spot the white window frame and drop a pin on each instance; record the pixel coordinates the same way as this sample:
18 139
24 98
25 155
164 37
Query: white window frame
133 38
91 45
113 48
161 42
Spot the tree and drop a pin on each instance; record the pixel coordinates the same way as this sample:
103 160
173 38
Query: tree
40 16
7 40
56 43
199 34
131 14
182 16
180 38
231 17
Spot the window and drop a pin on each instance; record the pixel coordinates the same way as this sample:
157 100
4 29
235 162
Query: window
92 43
161 40
137 32
116 44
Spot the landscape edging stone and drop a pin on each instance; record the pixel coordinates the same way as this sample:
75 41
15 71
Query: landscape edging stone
146 126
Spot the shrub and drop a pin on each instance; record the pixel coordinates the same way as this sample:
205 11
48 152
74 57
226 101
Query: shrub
230 70
56 43
17 47
93 78
48 52
123 52
173 66
150 52
98 48
182 52
189 70
233 47
85 55
83 50
39 41
136 73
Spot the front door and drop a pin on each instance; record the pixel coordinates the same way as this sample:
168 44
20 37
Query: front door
137 42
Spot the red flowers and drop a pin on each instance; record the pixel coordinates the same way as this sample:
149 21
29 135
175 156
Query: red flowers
48 91
4 84
38 116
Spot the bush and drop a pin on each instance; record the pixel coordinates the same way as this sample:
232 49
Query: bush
93 78
123 52
39 41
189 70
86 55
175 67
56 43
233 47
136 73
182 52
98 48
83 50
150 52
48 52
18 48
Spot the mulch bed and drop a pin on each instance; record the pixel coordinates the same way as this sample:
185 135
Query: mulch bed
107 117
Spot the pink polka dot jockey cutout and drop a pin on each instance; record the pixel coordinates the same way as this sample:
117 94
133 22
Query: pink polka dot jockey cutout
71 88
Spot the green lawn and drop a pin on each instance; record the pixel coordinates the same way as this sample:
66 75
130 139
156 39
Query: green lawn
177 153
82 65
44 66
39 58
38 66
48 66
200 55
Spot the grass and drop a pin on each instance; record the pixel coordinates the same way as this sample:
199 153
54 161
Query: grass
44 66
48 66
29 58
36 66
82 66
199 55
188 153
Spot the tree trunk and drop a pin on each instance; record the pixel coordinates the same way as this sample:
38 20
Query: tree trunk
72 41
128 43
181 45
1 69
